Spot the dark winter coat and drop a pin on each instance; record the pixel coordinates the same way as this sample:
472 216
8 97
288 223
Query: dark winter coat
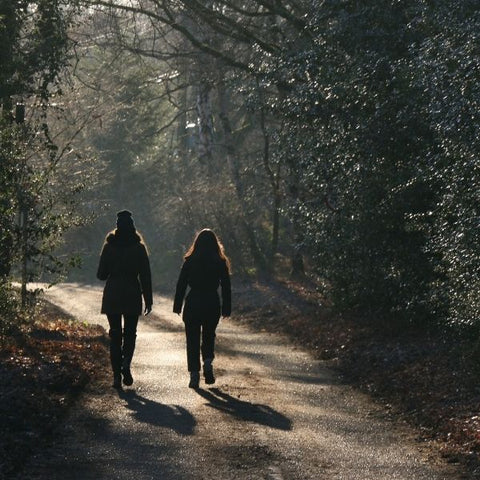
124 264
204 277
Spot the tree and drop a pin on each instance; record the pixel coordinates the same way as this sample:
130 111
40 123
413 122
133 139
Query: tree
34 52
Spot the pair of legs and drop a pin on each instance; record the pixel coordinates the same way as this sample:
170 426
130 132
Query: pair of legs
122 345
200 333
201 315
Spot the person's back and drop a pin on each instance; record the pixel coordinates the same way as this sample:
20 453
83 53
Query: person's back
205 273
205 269
125 266
124 255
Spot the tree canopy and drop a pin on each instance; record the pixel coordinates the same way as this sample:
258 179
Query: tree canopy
337 137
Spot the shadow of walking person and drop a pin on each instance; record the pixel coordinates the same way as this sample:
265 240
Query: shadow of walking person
250 412
154 413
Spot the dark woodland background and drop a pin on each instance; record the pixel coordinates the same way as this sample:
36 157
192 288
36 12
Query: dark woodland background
330 140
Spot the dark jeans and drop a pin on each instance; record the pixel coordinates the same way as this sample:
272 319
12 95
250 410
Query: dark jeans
200 315
122 343
197 330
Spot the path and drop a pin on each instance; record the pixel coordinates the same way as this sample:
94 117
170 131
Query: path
274 414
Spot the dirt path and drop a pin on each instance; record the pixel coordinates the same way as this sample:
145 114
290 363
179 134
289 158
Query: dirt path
274 414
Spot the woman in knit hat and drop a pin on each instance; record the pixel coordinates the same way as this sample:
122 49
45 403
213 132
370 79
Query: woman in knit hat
205 269
125 266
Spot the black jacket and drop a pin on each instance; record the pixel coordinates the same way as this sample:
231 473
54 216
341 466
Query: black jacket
124 264
204 276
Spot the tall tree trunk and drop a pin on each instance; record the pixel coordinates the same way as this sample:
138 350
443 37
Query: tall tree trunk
183 140
297 263
6 221
273 177
205 122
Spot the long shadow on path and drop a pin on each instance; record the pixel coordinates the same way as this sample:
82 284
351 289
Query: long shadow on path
250 412
157 414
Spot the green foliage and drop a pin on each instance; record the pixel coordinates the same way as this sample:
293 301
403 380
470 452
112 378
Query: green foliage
34 45
382 136
33 210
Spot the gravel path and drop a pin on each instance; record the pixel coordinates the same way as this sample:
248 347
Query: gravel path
274 414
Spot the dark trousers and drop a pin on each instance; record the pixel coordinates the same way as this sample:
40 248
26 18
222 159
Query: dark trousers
122 342
200 333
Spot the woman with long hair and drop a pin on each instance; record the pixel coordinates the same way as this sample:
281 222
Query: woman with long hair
204 270
125 266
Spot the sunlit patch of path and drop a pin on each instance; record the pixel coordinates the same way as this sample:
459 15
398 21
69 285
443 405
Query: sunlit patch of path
274 414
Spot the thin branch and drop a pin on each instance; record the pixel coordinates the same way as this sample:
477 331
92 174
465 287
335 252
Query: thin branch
172 22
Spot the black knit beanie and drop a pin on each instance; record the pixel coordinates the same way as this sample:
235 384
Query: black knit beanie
125 220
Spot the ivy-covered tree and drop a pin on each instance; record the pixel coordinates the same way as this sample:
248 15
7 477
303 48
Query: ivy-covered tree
34 52
382 137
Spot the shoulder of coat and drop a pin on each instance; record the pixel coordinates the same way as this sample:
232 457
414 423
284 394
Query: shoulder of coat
110 238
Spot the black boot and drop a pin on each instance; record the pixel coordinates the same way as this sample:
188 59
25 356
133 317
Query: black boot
128 349
116 356
117 380
208 372
194 379
127 374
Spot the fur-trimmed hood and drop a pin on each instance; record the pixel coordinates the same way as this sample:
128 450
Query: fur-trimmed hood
123 239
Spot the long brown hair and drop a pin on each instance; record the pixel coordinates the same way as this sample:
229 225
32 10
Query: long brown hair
206 244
